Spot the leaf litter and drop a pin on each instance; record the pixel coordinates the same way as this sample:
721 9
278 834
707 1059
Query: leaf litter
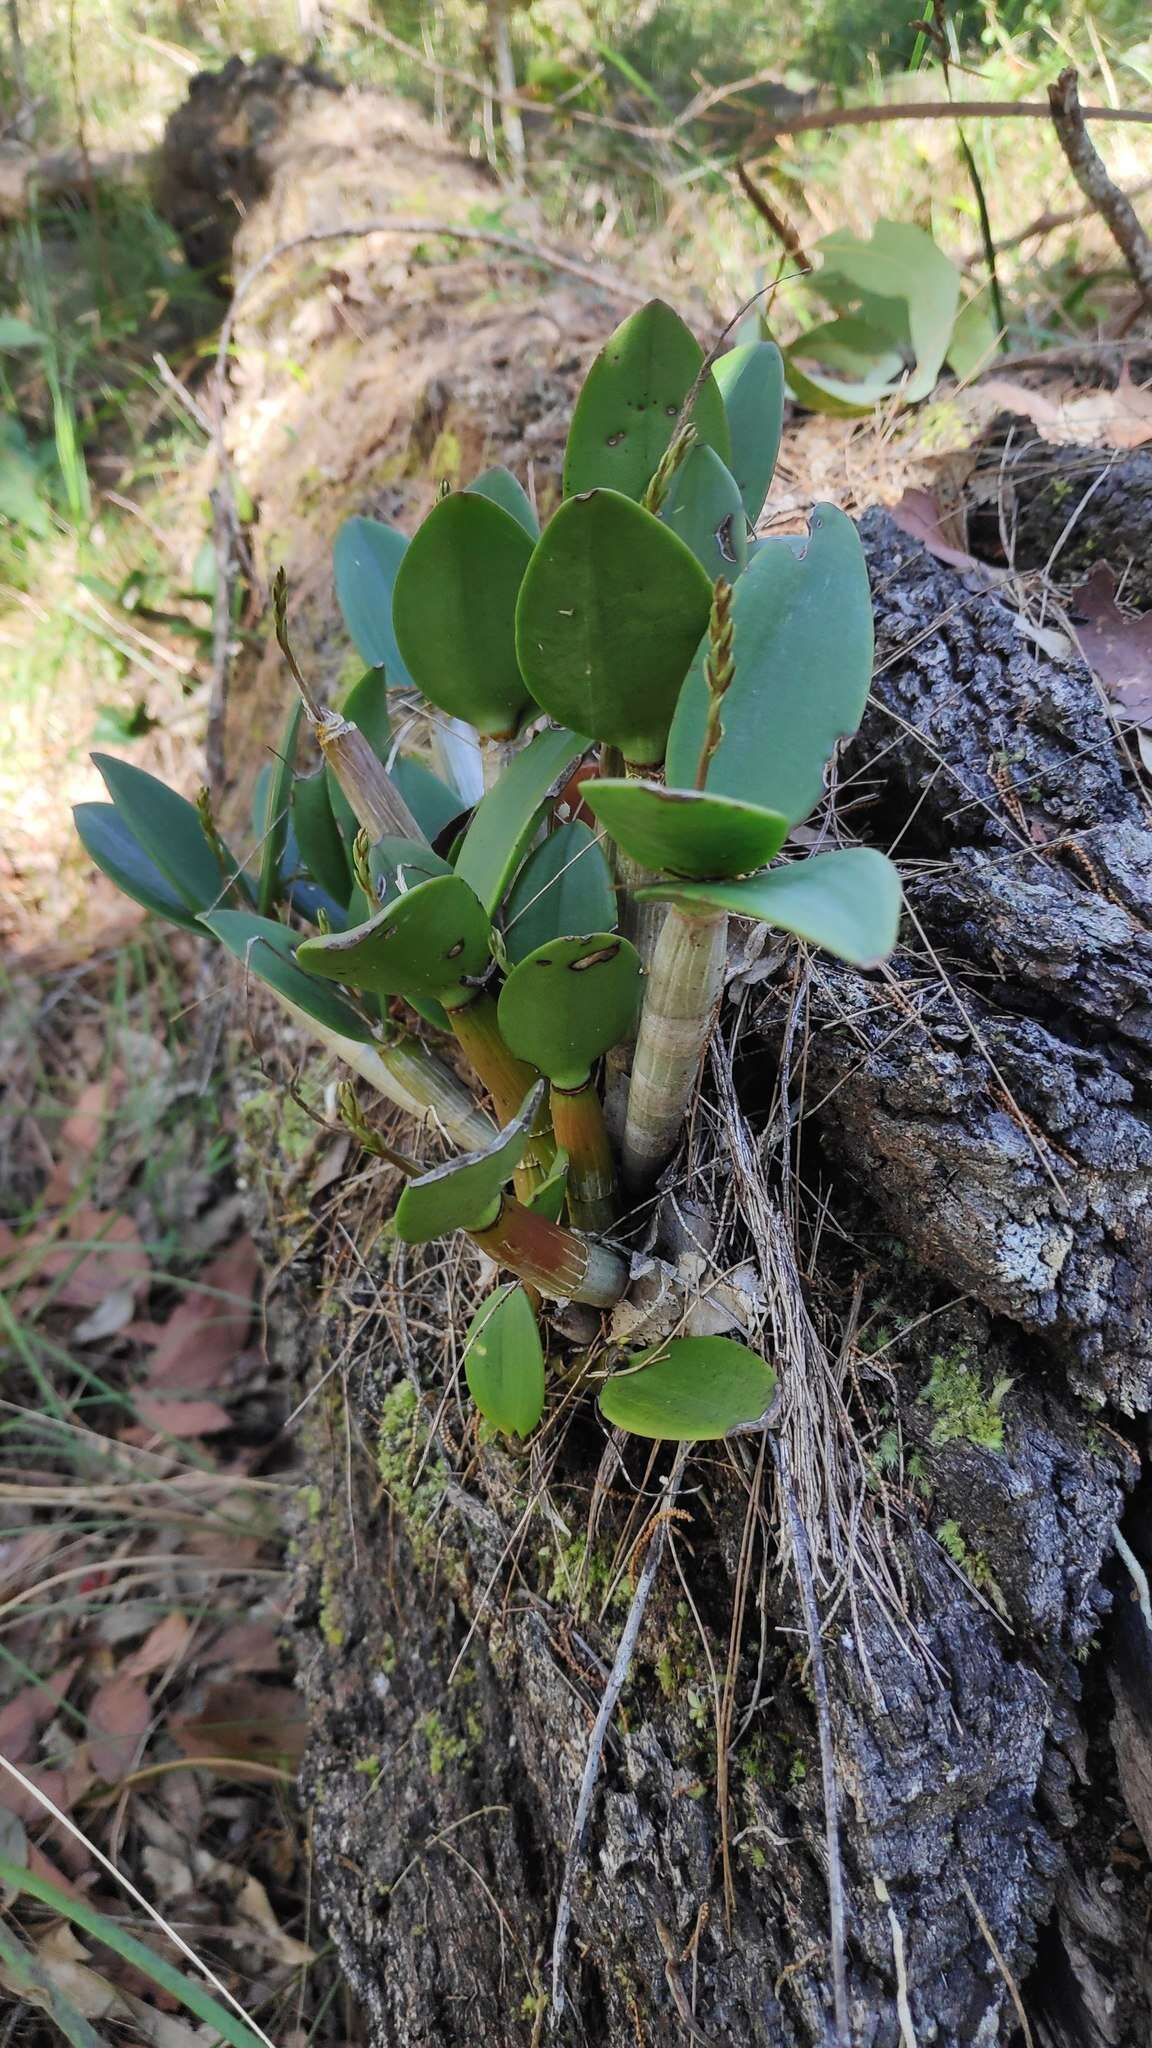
144 1683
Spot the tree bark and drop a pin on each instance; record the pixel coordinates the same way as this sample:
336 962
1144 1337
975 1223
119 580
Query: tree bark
979 1125
1072 506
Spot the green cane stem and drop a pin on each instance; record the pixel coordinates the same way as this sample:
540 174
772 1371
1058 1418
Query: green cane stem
679 1004
579 1128
561 1265
507 1080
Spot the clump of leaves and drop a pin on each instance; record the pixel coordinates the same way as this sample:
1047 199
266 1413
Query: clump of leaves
655 694
896 315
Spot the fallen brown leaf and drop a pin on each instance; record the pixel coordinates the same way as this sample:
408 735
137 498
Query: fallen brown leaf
204 1335
246 1646
31 1710
119 1717
251 1723
181 1418
1117 644
1066 414
113 1257
160 1648
918 515
77 1139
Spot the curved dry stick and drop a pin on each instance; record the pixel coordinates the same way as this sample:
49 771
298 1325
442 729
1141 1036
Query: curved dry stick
621 1665
1087 167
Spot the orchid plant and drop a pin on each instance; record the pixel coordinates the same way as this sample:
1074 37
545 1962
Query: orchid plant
633 708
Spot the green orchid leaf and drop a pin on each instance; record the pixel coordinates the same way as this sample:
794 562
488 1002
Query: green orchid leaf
901 262
465 1194
504 1362
318 836
400 864
865 367
848 903
269 951
569 1002
750 379
168 829
367 558
802 648
548 1199
274 826
107 840
365 706
685 831
504 489
631 400
610 615
433 805
432 942
705 508
690 1389
506 818
455 611
975 338
564 886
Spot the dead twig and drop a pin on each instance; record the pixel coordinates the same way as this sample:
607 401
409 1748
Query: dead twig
1088 169
1046 223
617 1677
779 222
802 1566
932 110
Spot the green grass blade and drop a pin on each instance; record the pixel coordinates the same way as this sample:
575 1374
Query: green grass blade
25 1975
135 1952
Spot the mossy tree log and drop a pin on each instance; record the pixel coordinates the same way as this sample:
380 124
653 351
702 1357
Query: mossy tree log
981 1124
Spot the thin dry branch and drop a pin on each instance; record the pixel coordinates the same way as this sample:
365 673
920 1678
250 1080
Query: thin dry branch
787 235
1088 169
617 1678
932 110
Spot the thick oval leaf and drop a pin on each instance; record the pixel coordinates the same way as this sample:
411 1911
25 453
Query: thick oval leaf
848 902
399 864
455 611
802 646
504 1361
506 819
685 831
864 367
750 379
627 410
168 828
268 951
901 262
465 1193
975 338
365 706
690 1389
610 615
433 805
504 489
564 886
430 942
275 819
705 508
107 841
569 1002
318 836
366 558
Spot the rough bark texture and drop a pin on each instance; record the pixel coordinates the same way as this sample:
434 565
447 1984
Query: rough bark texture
1079 505
985 1134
